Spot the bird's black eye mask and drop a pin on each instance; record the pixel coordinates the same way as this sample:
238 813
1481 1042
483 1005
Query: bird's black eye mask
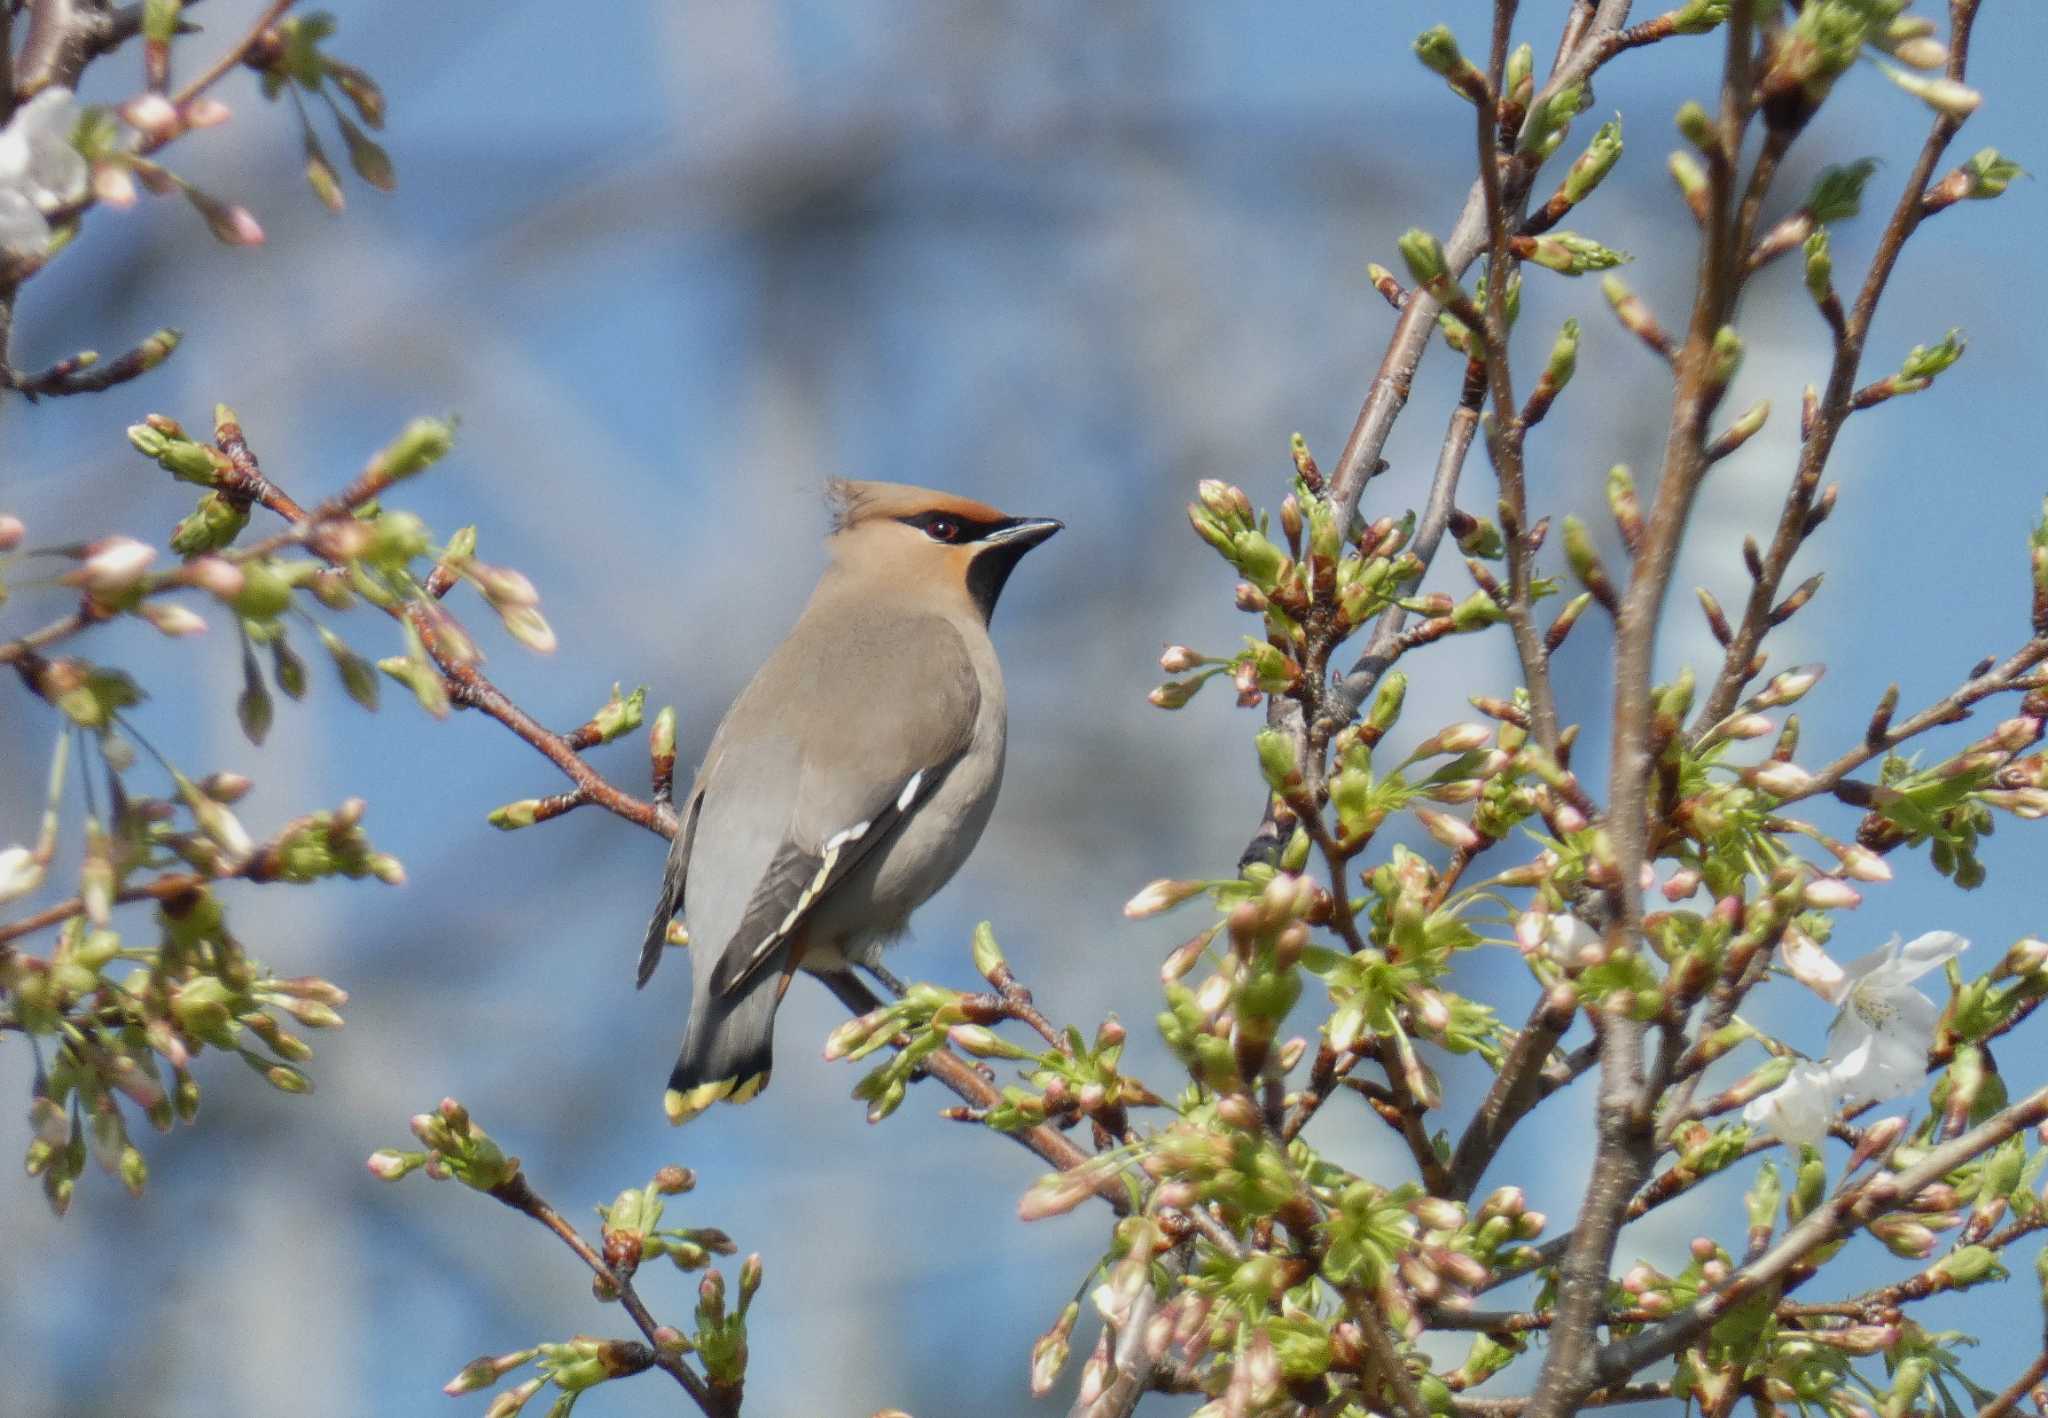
956 530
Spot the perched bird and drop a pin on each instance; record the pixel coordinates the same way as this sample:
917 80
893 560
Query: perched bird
849 780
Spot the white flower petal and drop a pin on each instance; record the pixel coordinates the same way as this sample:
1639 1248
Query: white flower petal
1797 1110
1813 967
1891 1068
19 873
23 232
45 168
1865 966
1929 952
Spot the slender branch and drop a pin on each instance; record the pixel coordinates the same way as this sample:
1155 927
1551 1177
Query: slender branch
225 64
2009 1400
1517 1088
1601 1398
1946 710
1837 402
1626 1129
60 629
716 1401
163 888
1834 1218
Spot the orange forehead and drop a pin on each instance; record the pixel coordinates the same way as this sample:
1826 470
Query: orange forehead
856 502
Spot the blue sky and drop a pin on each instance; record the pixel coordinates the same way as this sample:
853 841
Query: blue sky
675 264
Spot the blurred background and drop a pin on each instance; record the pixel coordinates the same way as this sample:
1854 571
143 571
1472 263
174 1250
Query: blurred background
675 263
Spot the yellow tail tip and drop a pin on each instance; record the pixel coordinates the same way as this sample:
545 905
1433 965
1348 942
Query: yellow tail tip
681 1105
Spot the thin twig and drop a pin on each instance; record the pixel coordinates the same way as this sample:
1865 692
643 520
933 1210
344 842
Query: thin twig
1834 1218
715 1401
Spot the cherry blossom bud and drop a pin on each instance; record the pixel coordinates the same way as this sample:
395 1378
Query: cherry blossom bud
1830 893
1457 738
1684 882
388 1164
1862 864
210 573
206 112
172 620
112 566
11 533
1161 895
151 114
1453 832
1782 780
113 184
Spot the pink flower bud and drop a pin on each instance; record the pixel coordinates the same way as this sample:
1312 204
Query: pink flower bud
1831 893
1453 832
205 112
172 620
152 114
1179 659
210 573
1162 895
1782 780
113 184
11 533
112 565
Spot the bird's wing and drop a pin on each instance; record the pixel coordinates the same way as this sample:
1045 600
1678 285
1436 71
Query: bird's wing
674 873
902 713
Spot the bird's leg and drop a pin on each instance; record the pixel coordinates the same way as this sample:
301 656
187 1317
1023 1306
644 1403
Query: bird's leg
888 981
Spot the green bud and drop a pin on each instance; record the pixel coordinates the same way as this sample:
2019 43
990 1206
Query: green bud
213 524
1698 16
988 956
1424 256
420 445
1694 124
1564 356
1520 70
1438 50
1277 759
1386 707
265 593
1968 1265
513 816
1571 254
661 736
1547 125
1725 357
1820 267
1762 1199
620 716
1688 174
1591 166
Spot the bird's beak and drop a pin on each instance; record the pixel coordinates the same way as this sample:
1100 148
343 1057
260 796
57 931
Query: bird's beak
1023 533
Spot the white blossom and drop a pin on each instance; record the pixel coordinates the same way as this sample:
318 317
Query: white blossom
39 170
1799 1109
20 873
1878 1044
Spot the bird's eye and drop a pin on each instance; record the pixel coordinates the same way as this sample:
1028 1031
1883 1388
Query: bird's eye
942 529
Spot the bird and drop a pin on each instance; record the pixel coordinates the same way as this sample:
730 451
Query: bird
848 781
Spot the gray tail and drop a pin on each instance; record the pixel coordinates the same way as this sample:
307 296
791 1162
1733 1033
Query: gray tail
729 1050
